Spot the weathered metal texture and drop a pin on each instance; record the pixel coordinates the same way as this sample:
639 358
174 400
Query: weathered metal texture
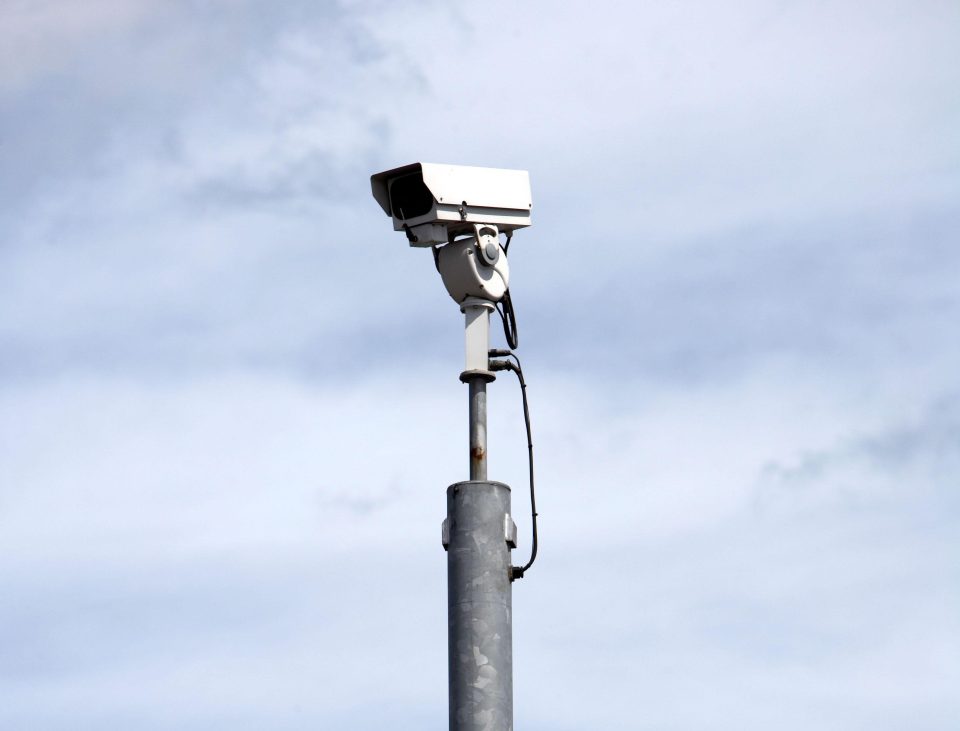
479 607
478 429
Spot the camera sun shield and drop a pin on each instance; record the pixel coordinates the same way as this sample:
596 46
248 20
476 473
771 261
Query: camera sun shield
433 202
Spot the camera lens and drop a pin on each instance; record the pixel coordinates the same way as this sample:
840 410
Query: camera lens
409 197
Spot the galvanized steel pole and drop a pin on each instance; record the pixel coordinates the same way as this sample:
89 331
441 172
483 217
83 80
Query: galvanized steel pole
479 607
478 536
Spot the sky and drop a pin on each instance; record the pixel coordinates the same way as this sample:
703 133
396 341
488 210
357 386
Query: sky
229 395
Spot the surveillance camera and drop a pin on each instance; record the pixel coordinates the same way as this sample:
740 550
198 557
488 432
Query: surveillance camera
434 203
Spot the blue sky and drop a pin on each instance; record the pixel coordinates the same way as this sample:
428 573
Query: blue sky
229 403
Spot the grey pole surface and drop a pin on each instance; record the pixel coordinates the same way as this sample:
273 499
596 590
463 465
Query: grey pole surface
478 428
479 608
479 605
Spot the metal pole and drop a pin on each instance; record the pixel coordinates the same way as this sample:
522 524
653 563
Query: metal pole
478 428
479 606
478 535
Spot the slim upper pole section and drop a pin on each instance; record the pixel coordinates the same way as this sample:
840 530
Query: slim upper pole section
476 314
478 428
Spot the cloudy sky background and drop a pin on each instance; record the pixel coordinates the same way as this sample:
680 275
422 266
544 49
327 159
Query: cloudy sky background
229 403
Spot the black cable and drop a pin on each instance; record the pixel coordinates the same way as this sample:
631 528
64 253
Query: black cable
505 308
509 318
517 572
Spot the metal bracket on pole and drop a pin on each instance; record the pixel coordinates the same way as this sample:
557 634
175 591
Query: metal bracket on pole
509 531
476 313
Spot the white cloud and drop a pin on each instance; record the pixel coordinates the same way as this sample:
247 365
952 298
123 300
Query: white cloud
253 523
43 36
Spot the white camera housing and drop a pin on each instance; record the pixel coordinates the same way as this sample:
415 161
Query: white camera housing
433 203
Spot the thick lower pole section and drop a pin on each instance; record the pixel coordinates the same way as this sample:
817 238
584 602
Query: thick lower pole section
479 606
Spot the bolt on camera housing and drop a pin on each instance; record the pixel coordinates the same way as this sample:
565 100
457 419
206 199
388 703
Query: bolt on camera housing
434 203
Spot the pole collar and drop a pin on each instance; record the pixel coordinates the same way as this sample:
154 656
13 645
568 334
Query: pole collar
485 376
